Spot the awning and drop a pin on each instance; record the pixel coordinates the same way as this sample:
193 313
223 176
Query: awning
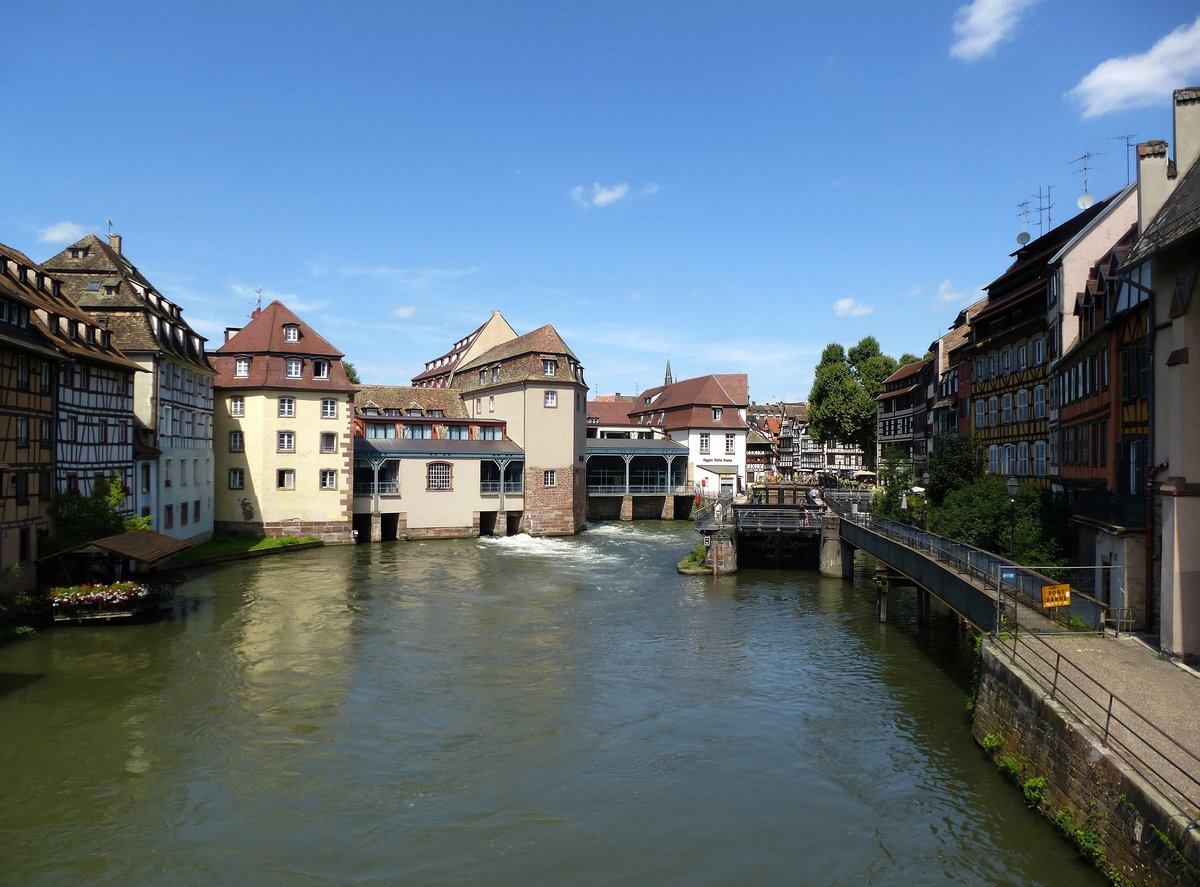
719 469
145 546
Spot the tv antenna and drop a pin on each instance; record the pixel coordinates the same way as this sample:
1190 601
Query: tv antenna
1045 204
1085 199
1128 145
1023 215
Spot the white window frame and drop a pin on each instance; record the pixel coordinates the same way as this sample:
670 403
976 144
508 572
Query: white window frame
241 368
328 479
237 442
294 368
285 441
549 478
287 407
550 399
705 443
549 366
730 444
285 479
237 478
291 332
237 405
320 369
329 408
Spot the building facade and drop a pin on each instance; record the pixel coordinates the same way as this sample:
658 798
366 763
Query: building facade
282 431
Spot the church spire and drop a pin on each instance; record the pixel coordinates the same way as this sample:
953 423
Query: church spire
668 379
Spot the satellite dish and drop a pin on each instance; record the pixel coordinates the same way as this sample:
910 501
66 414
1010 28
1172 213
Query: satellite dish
1023 238
1085 200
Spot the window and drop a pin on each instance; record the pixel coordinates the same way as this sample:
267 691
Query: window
320 369
286 441
457 432
550 399
418 431
1023 458
293 367
550 478
169 516
241 367
1039 458
328 479
994 459
237 405
482 376
22 431
1005 362
1006 410
1039 402
46 431
478 405
45 377
376 431
730 443
237 442
980 413
1039 351
1022 356
329 408
183 515
287 407
993 411
328 442
496 374
491 404
438 476
491 432
196 511
549 367
285 479
1022 405
291 333
704 443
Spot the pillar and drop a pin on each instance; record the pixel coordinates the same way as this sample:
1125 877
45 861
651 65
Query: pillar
376 527
922 606
626 507
881 593
668 509
837 557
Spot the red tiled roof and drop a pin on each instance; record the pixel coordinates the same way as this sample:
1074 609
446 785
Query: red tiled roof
264 341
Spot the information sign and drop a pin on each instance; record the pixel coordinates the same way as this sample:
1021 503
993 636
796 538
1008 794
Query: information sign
1056 595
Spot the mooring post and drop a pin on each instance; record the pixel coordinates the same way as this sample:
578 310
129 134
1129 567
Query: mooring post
881 590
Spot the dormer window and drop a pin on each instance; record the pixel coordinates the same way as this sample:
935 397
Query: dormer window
549 366
291 332
241 368
93 286
110 289
414 411
293 367
716 414
320 369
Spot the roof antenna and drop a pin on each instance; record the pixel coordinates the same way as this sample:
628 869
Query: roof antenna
1044 207
110 226
1128 144
1023 215
258 304
1085 199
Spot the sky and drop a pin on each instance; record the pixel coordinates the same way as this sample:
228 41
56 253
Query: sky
730 186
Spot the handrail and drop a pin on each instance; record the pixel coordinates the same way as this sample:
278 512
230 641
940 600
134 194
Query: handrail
1116 731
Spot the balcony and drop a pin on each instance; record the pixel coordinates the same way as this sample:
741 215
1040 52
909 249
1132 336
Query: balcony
511 488
1110 509
384 488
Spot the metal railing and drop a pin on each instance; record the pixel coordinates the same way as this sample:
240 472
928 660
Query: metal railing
384 488
651 489
716 516
492 487
1148 749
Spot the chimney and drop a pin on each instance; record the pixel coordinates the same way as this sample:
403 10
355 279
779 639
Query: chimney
1153 180
1187 128
114 241
231 331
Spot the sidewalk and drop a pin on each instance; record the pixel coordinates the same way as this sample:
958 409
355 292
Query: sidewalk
1145 707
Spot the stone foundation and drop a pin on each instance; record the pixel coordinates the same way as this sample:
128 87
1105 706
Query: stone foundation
1138 832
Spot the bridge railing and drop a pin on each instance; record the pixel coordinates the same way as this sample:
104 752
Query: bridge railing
716 516
1152 752
1013 582
748 517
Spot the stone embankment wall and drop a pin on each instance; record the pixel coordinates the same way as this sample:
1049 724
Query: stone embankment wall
1115 818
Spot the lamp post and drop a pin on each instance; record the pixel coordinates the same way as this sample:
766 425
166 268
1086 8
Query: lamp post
1012 517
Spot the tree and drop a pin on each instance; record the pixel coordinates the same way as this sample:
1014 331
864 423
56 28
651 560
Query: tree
841 402
79 519
955 462
984 516
351 372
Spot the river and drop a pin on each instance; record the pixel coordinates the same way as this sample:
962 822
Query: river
508 712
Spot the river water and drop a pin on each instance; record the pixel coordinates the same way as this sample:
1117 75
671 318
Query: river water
508 712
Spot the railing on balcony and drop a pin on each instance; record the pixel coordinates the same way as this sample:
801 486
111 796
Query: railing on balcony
660 488
384 488
1115 509
511 488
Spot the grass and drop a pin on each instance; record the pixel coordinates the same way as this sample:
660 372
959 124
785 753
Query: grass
226 545
695 558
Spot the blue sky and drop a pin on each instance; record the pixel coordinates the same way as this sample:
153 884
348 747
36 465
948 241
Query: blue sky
730 185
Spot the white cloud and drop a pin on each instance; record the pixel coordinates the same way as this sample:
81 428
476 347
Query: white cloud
948 295
851 308
599 195
405 311
981 26
62 232
650 188
1134 81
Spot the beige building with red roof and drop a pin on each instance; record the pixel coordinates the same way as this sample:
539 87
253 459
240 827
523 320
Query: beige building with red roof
489 439
282 433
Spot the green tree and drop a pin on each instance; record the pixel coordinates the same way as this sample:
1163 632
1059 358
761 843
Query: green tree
984 516
841 402
351 372
955 462
79 519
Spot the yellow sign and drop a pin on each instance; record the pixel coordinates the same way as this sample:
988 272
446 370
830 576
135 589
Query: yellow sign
1056 595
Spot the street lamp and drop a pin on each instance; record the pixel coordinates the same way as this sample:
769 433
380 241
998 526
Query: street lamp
1012 517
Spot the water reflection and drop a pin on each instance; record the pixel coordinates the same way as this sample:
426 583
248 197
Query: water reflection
509 712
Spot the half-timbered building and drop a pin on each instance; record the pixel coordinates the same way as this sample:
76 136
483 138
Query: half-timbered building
28 367
173 407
